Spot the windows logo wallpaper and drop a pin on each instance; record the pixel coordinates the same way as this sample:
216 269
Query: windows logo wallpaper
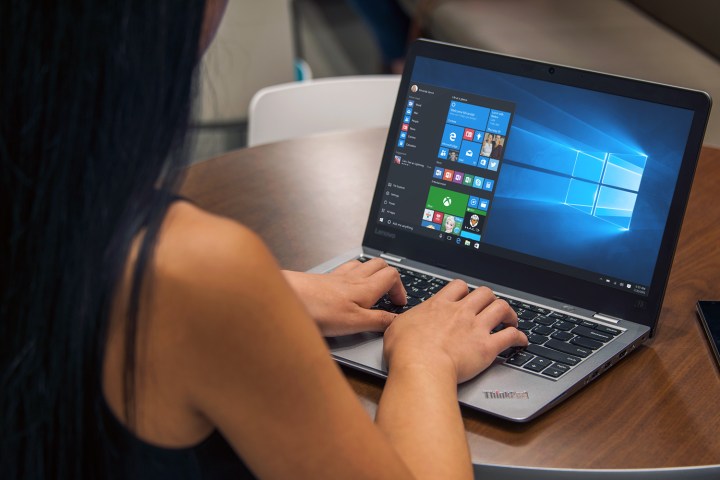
583 171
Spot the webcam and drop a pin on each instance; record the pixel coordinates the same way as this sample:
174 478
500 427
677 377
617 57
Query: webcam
551 70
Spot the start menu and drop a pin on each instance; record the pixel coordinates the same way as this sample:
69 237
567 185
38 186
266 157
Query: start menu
447 159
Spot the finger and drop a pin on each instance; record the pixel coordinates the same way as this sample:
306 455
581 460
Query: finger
371 266
508 337
479 299
347 267
453 291
377 320
388 280
496 313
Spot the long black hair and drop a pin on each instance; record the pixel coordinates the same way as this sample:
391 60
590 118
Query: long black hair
94 106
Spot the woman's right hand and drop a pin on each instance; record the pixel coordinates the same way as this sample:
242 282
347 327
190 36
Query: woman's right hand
454 326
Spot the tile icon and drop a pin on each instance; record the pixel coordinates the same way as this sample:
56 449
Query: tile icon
482 162
488 185
438 173
406 119
493 164
443 153
483 204
408 111
458 177
468 134
452 136
468 180
437 217
401 143
469 152
478 182
473 202
403 134
479 136
397 159
428 215
448 175
411 103
405 127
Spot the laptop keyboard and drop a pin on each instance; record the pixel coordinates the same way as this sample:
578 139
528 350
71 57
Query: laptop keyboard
558 342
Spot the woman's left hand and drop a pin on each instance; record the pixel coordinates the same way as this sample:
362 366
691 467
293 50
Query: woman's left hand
340 301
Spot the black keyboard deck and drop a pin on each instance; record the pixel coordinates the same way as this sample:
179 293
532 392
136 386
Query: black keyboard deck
558 342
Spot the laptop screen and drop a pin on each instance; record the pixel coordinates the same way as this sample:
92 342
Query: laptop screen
570 180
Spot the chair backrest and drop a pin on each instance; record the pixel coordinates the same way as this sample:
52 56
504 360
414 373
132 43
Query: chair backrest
292 110
502 472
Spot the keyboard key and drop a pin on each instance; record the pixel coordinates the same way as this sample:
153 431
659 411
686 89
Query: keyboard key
562 336
587 324
541 311
507 352
552 354
586 342
557 315
498 328
610 330
519 359
554 371
590 333
534 365
422 276
563 325
537 339
527 315
544 320
412 301
567 348
362 259
440 281
525 325
570 319
543 330
415 292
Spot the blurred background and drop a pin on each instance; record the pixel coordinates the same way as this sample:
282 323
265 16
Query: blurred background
270 42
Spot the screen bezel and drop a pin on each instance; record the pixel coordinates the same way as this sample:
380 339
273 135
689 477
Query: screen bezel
544 283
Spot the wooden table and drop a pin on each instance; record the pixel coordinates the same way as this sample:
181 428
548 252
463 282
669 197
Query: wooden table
310 198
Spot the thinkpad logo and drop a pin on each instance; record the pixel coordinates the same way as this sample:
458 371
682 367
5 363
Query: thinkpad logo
498 395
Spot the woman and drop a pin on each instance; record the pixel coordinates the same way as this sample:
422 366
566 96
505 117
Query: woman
141 337
487 146
449 223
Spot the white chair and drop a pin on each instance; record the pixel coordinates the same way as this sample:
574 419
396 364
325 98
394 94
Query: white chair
297 109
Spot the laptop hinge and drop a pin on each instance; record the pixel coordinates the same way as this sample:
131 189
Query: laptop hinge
392 258
606 318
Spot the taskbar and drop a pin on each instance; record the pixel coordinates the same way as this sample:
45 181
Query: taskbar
475 244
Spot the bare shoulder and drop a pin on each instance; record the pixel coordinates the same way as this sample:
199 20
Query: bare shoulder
214 280
209 295
196 246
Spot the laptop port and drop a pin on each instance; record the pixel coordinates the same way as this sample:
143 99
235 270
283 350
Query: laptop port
622 354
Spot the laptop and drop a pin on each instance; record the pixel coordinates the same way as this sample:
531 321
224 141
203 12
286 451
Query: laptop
562 190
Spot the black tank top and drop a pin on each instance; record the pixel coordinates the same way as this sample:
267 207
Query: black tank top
133 458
